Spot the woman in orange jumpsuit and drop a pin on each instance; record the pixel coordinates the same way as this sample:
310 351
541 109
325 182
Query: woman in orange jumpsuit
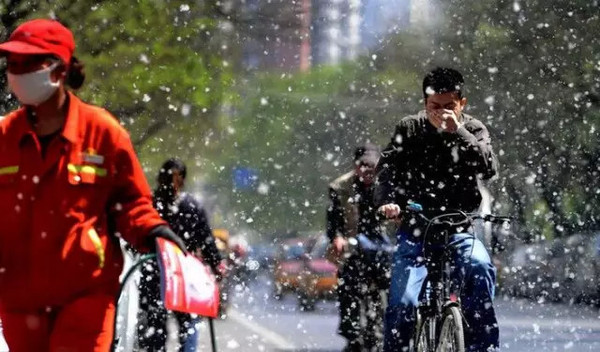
70 185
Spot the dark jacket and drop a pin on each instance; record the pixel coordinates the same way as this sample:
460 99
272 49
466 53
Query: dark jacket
436 169
188 219
351 210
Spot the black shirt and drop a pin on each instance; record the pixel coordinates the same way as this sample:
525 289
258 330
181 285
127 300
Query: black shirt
46 140
188 220
439 170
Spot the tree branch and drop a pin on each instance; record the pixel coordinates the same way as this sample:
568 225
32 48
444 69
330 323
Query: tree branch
151 131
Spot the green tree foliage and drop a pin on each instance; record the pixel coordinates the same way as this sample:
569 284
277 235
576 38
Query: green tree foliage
171 71
161 67
532 70
298 132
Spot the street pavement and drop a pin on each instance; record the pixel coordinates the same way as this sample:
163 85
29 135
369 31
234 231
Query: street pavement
257 322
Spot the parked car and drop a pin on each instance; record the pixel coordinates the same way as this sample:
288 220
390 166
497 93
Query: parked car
252 264
318 276
264 254
576 262
225 267
289 262
565 269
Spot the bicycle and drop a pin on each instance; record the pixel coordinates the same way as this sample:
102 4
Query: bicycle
372 256
126 277
440 323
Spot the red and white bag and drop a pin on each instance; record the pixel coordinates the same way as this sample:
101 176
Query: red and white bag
186 283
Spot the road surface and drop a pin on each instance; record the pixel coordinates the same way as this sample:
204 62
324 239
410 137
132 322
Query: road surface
257 322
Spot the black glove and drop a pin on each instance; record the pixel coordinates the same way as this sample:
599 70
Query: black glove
168 234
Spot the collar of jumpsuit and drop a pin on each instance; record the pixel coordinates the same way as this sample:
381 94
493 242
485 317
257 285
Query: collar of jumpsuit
72 134
72 131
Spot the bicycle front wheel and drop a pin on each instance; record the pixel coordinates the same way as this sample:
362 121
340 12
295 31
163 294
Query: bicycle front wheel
452 335
425 335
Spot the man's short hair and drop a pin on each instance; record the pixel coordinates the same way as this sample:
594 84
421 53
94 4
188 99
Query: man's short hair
443 80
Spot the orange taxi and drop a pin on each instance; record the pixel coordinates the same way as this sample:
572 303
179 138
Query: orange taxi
289 263
318 277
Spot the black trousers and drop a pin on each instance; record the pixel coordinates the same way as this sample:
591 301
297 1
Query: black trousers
360 306
152 325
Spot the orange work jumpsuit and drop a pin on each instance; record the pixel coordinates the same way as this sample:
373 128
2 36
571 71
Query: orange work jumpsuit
60 216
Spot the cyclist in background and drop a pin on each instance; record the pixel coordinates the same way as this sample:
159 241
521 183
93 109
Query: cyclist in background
188 219
352 213
435 158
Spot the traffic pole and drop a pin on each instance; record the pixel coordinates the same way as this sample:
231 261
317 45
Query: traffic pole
213 339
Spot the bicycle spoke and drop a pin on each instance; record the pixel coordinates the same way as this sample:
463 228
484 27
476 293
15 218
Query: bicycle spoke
451 334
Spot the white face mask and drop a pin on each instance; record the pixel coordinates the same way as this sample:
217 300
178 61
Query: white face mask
35 87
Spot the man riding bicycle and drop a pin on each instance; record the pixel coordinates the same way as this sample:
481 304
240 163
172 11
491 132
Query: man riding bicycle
435 158
361 277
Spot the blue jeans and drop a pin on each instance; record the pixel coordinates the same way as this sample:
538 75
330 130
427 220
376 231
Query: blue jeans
191 340
472 267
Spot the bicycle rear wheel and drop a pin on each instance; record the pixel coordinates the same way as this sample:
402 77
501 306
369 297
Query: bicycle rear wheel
425 335
452 336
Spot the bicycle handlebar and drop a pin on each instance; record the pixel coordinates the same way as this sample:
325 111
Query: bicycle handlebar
417 208
497 219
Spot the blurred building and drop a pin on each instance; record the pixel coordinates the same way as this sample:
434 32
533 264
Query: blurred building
336 30
343 29
382 18
422 13
295 34
278 35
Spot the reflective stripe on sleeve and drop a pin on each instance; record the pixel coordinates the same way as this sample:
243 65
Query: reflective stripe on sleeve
9 170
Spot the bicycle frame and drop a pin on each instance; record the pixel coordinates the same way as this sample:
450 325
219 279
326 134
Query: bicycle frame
436 296
437 291
143 259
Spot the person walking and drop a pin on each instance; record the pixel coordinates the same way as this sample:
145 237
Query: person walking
70 185
188 219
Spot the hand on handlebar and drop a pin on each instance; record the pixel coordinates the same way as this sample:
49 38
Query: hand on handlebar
390 211
340 243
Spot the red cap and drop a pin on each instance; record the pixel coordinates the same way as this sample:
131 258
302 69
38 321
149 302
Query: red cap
39 37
